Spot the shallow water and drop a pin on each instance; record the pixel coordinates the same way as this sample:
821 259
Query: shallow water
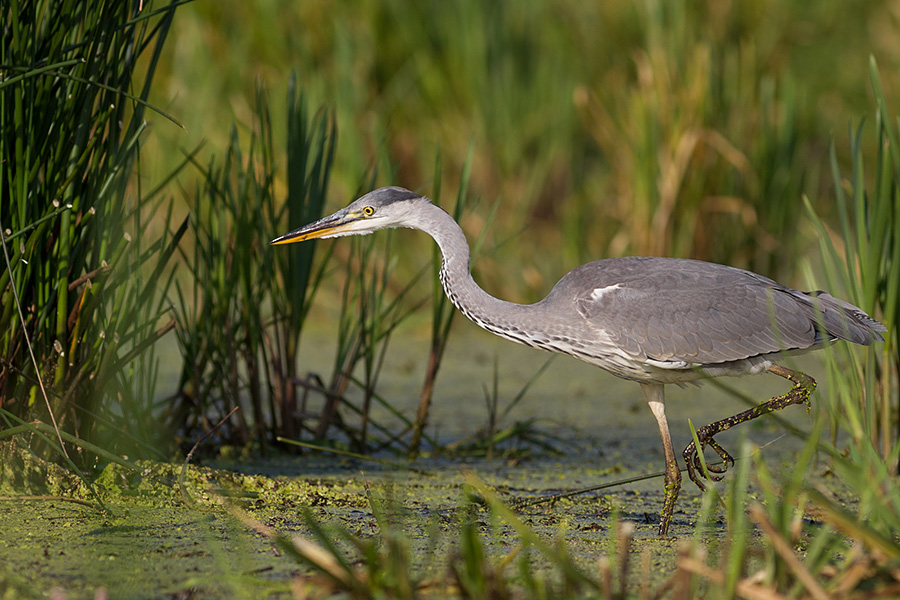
575 400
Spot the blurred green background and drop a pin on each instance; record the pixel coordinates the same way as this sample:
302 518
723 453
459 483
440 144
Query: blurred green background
601 128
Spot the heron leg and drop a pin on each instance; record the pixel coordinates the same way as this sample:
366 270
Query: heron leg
800 392
655 394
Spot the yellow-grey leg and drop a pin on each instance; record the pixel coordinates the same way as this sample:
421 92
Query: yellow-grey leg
800 392
655 394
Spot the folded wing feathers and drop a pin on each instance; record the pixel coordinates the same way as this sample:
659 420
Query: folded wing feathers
684 311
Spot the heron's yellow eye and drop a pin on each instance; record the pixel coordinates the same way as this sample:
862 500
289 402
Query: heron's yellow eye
368 211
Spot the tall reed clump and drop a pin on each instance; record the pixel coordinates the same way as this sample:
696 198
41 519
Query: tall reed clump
83 283
243 315
862 258
242 312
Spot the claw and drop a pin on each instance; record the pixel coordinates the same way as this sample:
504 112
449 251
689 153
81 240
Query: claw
723 454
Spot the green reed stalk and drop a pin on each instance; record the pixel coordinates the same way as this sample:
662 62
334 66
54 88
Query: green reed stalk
71 125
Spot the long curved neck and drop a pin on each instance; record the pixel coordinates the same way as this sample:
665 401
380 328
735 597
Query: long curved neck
503 318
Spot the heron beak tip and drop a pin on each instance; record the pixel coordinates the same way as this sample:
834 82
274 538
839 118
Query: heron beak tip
290 238
313 231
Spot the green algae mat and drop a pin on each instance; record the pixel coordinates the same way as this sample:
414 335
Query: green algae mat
152 541
149 542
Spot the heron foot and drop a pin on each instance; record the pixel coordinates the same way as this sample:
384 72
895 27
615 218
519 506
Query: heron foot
694 464
799 393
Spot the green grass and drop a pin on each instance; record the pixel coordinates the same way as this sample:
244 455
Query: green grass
862 260
87 253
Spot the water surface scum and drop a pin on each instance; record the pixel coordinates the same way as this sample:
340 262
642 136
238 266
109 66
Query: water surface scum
152 542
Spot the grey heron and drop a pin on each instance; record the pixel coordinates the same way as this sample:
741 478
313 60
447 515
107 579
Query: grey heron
652 320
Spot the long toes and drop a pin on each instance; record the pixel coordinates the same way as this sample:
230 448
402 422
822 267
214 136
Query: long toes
722 452
690 455
695 467
698 464
697 474
697 479
689 461
713 472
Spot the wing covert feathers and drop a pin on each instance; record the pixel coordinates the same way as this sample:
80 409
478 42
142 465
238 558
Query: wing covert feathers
703 313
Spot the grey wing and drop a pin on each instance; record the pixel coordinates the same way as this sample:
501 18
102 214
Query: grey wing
680 311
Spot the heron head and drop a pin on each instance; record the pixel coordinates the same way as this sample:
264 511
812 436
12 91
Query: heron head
380 209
